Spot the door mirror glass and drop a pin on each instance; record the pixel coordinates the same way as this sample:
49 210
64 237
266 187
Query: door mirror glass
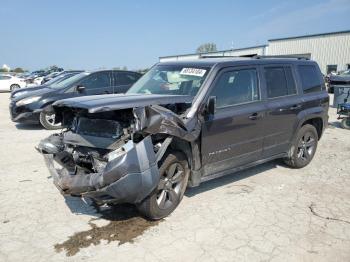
211 105
80 88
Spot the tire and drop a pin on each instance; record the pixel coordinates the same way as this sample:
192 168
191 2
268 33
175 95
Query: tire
14 87
46 121
174 173
345 123
303 147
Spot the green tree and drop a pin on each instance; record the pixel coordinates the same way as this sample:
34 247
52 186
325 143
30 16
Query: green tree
18 70
3 70
207 47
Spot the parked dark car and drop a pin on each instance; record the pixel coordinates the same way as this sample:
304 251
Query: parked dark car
30 107
56 80
342 79
183 123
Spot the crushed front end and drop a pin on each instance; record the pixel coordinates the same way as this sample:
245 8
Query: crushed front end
110 155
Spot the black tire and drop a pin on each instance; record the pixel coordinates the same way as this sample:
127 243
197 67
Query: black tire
303 147
167 196
14 87
46 123
345 123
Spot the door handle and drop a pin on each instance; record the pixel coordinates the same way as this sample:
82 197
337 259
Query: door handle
254 116
294 107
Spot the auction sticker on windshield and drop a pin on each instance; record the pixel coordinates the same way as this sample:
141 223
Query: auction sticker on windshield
193 71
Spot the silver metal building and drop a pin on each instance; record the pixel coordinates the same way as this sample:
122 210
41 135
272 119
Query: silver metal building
330 50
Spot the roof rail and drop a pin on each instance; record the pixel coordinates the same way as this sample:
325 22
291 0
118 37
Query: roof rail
218 56
281 56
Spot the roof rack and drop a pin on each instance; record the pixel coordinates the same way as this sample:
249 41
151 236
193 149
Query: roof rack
219 56
256 56
281 56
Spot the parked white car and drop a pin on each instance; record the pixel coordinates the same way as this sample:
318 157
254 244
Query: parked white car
9 83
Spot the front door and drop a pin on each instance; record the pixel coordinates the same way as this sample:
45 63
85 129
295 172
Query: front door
233 135
98 83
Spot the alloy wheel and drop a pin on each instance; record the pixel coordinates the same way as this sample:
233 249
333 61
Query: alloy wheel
170 186
50 118
306 146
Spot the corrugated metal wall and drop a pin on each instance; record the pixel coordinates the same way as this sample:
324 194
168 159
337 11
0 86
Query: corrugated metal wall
325 49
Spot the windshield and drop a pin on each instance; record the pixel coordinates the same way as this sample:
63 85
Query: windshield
171 80
69 81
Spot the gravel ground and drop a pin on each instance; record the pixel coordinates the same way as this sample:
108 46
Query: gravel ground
265 213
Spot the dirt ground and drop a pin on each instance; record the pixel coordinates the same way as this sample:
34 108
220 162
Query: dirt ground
267 213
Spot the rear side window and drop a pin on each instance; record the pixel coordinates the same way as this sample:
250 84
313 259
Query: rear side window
279 81
310 78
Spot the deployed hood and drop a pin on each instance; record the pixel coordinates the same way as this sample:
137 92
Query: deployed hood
100 103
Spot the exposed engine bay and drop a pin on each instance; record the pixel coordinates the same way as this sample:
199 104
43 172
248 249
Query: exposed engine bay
112 155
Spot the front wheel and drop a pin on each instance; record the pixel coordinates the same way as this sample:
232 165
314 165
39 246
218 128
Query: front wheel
174 173
345 123
304 147
48 121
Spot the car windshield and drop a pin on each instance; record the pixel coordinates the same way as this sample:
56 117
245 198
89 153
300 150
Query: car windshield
171 80
58 79
69 81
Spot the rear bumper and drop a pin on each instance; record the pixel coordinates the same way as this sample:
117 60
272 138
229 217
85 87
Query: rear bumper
129 178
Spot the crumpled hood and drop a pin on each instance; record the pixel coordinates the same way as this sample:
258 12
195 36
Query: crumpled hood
101 103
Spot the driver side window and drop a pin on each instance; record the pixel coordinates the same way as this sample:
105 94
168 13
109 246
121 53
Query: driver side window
97 80
236 87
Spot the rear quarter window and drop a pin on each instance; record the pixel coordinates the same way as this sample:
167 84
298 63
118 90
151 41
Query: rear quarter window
310 78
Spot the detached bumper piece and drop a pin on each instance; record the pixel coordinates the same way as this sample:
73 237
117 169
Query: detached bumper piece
129 176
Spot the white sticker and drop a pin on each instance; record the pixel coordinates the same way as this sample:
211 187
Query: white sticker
193 71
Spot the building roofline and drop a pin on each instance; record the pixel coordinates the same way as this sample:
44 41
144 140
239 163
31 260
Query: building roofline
312 35
213 52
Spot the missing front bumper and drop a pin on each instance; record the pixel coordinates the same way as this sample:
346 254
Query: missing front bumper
128 178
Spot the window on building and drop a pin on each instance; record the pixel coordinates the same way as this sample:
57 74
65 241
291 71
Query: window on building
236 87
310 78
279 81
331 68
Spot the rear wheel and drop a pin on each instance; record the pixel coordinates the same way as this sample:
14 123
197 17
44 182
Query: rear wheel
14 87
345 123
48 121
174 173
304 147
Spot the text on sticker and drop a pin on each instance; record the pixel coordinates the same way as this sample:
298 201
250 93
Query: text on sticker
193 71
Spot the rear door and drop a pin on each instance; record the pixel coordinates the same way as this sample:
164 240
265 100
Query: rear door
233 136
283 105
122 81
97 83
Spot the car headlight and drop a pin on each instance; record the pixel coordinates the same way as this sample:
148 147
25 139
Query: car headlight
20 93
27 100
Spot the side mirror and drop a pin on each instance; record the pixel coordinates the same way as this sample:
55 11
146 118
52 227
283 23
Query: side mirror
79 88
211 105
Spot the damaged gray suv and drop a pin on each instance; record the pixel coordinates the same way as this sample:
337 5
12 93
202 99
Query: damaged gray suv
183 123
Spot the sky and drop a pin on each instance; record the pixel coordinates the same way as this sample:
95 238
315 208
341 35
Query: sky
83 34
